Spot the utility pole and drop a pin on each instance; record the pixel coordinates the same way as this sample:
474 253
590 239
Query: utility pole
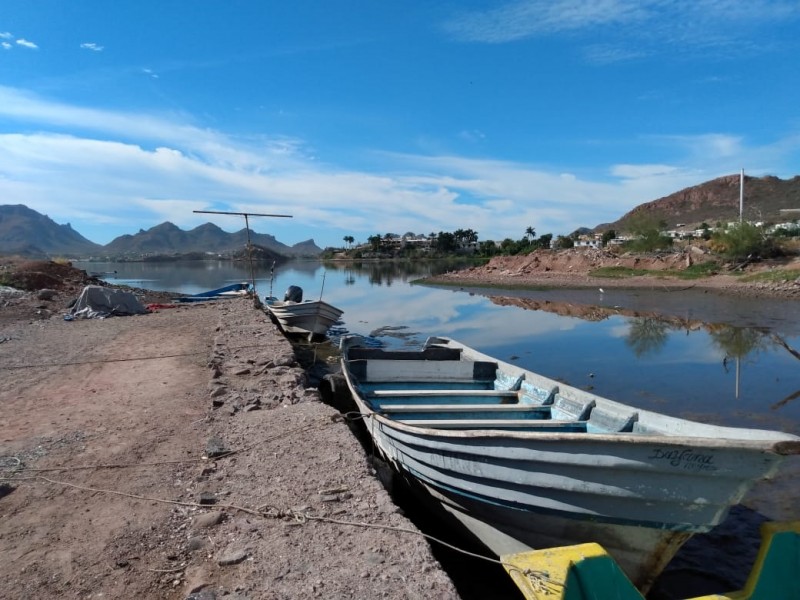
247 227
741 196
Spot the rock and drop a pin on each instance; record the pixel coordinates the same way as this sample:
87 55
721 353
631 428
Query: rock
215 447
206 498
46 294
209 519
195 543
232 556
219 391
202 594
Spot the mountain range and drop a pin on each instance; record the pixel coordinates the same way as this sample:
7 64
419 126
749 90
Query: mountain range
25 232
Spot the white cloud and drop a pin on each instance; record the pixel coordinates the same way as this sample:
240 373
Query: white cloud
131 170
526 18
5 35
26 44
640 171
6 45
622 30
92 46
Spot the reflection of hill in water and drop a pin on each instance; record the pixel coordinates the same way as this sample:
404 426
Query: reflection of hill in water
589 312
684 306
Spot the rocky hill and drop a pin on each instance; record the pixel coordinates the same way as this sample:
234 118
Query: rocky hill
25 232
718 200
28 233
167 238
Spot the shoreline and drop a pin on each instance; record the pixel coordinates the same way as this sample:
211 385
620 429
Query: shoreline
489 278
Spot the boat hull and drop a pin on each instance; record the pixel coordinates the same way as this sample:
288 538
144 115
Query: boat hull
639 494
311 317
235 290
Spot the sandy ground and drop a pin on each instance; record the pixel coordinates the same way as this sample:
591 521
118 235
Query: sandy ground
110 487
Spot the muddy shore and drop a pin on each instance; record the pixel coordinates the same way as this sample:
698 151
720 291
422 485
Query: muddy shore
182 454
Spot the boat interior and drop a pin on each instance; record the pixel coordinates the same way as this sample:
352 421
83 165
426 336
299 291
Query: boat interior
435 388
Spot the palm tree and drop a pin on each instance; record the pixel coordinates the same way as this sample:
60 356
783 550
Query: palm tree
349 239
530 233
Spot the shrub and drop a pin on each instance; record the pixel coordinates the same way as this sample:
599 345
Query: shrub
741 241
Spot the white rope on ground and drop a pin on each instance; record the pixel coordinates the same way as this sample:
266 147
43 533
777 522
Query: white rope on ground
273 512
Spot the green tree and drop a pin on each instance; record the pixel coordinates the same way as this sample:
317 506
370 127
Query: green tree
375 242
648 234
563 241
530 233
608 236
446 242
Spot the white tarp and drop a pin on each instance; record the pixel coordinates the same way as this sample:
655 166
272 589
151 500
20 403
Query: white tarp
98 301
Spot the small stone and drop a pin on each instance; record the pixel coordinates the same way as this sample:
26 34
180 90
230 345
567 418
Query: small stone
203 594
219 391
195 543
207 498
215 447
208 519
232 556
244 371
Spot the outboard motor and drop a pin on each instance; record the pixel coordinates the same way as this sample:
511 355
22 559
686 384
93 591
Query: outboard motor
293 293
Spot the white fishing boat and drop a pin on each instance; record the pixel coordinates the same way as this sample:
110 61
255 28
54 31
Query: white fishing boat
526 462
309 317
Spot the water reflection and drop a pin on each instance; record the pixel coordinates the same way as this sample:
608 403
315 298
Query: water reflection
646 335
388 272
725 360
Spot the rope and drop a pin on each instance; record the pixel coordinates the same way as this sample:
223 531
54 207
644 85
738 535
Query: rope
539 580
288 432
273 512
116 360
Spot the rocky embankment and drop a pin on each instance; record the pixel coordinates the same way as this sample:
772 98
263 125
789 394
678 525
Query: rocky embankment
574 268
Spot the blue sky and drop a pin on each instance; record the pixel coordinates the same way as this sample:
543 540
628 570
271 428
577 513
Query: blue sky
362 118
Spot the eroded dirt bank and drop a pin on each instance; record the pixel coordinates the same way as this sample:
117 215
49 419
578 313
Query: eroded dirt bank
573 269
108 433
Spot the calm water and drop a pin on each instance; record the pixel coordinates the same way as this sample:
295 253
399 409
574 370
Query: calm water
718 358
709 357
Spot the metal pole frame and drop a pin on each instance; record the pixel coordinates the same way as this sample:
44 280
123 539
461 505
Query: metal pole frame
249 245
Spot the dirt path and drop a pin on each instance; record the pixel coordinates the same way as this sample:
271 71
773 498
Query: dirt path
156 393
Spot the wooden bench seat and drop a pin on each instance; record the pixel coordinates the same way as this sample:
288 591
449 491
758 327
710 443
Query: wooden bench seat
542 412
423 393
544 425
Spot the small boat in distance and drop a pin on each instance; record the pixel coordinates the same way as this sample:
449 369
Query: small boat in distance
234 290
296 316
526 462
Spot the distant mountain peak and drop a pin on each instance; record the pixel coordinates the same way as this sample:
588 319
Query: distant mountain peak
29 233
26 232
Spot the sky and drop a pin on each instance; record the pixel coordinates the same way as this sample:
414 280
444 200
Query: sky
360 118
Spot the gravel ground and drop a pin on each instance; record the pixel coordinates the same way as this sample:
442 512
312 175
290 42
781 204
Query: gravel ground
112 485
